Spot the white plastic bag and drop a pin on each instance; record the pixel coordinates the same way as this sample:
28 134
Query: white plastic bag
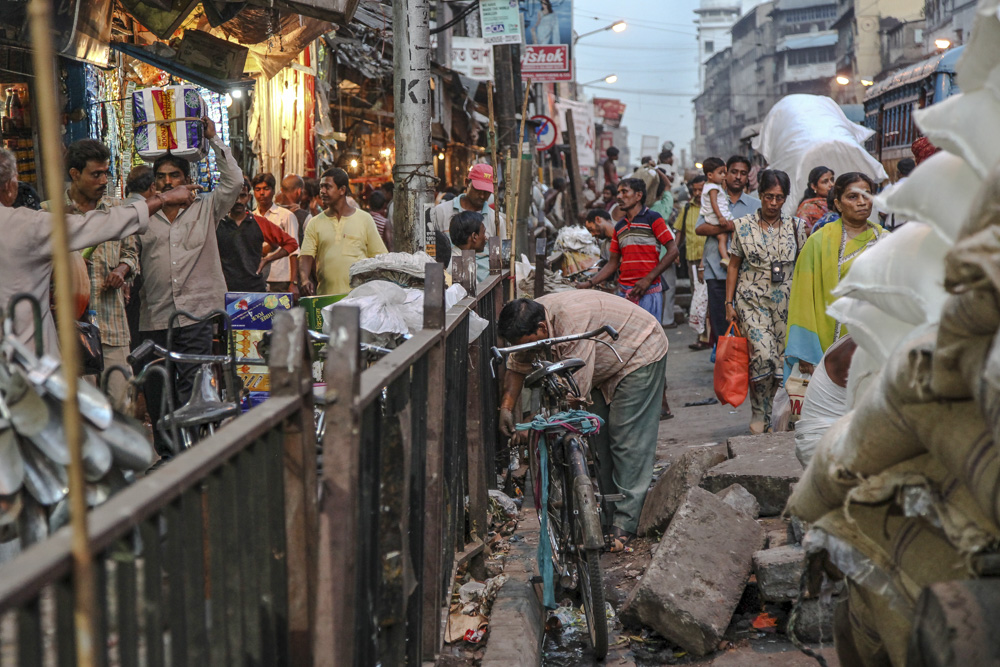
902 275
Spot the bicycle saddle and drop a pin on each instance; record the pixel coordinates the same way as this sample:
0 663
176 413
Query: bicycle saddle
205 405
569 366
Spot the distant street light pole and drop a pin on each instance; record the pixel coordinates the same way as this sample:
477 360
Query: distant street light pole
617 26
611 78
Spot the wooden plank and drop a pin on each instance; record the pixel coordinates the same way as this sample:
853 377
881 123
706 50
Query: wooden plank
539 267
152 591
434 500
218 646
291 376
575 184
494 245
339 519
478 488
128 620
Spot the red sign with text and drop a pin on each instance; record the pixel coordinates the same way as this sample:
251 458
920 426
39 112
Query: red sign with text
543 63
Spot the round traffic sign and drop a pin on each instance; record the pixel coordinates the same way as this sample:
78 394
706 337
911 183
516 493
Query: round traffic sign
546 133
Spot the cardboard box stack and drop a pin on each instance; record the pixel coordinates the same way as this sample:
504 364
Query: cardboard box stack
251 314
314 306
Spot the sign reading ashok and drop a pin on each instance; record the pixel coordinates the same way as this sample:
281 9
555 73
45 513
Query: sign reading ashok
548 27
546 63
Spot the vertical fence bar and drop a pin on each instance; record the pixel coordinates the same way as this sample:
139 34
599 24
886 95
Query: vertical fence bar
218 648
234 572
65 644
29 634
152 587
260 502
477 485
250 569
369 577
174 561
128 621
434 491
290 375
540 267
274 469
494 246
194 575
339 516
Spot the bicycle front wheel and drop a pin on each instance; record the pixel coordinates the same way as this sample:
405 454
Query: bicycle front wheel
589 541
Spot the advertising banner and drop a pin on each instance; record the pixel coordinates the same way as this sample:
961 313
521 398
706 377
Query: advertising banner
501 21
548 35
472 57
608 111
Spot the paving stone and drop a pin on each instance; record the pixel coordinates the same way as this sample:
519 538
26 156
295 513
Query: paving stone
814 622
697 574
764 465
752 656
779 572
751 444
669 490
776 529
740 500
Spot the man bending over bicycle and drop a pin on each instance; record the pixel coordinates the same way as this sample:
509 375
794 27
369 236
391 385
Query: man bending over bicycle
625 394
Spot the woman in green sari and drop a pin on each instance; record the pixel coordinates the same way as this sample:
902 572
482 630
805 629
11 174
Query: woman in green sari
823 262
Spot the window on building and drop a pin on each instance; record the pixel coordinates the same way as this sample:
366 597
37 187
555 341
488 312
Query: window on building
822 54
811 14
709 46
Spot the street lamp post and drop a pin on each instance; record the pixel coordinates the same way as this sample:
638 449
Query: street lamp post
617 26
611 78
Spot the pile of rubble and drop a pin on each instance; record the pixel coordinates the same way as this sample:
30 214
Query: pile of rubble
718 508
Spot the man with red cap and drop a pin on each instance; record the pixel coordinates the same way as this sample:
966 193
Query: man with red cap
478 189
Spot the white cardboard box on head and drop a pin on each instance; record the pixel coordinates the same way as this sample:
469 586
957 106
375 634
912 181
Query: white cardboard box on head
168 119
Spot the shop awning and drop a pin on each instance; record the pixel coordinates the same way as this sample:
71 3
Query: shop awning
171 66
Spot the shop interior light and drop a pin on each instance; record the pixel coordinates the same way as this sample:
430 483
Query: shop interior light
843 80
942 44
440 156
386 152
697 165
237 93
866 83
290 95
229 100
354 164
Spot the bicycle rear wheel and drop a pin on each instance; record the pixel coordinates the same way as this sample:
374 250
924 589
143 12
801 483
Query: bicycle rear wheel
591 578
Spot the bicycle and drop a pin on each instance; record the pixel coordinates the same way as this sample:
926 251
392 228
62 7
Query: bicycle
566 460
216 392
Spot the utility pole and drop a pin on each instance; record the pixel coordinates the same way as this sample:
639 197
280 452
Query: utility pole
413 171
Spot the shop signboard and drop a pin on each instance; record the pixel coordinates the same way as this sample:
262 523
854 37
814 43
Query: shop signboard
472 57
546 63
608 111
501 21
548 34
586 139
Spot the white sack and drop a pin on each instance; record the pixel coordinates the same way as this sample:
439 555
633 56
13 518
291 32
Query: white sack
902 275
940 192
875 331
982 51
805 131
965 125
825 403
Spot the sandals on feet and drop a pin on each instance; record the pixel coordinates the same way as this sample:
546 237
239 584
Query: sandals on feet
620 539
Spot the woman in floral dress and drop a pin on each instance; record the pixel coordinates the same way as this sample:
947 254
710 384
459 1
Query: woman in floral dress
763 251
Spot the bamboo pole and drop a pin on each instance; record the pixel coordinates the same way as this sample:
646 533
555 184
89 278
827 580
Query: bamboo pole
512 220
492 131
43 56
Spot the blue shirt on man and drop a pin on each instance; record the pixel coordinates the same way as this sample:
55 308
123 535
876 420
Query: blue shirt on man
714 270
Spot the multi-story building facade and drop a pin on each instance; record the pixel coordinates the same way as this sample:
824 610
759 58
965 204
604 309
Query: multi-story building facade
947 19
714 20
861 26
715 132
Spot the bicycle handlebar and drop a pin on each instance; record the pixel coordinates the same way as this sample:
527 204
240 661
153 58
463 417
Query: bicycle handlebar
147 349
500 352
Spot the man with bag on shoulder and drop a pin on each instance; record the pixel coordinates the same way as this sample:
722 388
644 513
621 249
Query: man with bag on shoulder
764 247
625 394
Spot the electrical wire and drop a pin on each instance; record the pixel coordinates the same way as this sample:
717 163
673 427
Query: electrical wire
458 18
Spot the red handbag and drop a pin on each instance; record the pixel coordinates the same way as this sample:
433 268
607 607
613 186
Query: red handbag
731 377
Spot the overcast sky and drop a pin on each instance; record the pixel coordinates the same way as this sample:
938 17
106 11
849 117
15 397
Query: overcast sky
655 60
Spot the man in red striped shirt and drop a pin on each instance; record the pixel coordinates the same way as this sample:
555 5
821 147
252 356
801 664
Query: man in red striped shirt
635 250
635 254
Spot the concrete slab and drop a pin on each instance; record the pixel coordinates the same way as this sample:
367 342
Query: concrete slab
765 465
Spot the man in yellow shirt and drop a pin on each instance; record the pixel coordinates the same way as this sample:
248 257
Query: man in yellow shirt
336 238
